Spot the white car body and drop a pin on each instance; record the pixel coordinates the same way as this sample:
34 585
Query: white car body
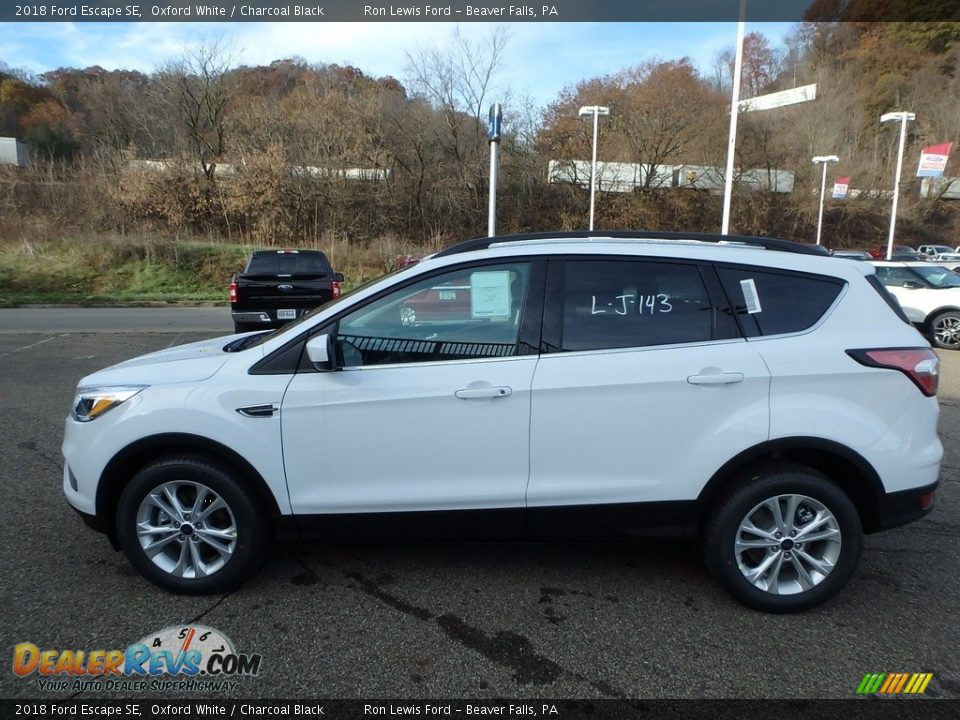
934 251
654 428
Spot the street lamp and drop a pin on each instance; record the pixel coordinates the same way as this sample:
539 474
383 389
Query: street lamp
823 160
902 118
596 111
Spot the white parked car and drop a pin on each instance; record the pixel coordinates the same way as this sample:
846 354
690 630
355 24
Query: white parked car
934 252
576 385
929 294
950 260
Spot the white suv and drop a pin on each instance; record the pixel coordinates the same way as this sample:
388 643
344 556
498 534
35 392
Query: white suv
929 295
567 385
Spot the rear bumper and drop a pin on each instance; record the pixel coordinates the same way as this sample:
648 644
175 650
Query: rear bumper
266 317
899 508
252 317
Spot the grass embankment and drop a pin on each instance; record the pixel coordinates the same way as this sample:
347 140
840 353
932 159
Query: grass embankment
109 270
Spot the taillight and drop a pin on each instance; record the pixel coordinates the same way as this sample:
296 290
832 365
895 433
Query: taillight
919 364
335 289
233 292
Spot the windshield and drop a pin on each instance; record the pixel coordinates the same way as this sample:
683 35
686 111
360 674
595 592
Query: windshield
938 277
254 340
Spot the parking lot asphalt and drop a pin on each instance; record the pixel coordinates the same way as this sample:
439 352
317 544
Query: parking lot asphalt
459 620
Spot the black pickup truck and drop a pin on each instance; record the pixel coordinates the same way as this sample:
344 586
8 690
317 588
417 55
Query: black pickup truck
281 285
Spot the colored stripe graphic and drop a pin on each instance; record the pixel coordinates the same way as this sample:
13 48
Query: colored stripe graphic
870 683
894 683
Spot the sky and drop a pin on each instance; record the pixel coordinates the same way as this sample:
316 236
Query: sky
540 60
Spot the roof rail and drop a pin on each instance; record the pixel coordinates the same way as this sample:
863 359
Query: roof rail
766 243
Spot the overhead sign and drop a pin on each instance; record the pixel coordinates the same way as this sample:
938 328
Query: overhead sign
779 99
933 160
840 188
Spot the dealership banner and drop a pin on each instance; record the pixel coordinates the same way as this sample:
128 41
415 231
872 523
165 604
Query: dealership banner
933 160
840 188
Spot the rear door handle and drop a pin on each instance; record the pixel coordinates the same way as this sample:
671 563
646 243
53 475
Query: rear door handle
484 392
716 378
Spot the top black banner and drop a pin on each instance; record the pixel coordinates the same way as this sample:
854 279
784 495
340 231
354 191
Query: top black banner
484 11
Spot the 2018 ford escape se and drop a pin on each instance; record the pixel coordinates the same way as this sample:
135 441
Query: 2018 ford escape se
574 385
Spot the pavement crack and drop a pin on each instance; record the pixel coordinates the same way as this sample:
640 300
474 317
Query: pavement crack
504 648
374 590
32 447
213 607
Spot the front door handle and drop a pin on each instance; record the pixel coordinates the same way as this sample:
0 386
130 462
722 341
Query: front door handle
720 378
483 392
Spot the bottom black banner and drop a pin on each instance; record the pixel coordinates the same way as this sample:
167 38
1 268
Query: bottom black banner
867 708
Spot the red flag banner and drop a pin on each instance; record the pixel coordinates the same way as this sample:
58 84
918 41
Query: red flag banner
840 188
933 160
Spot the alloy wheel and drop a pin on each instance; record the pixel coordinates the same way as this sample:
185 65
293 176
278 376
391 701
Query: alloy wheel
787 544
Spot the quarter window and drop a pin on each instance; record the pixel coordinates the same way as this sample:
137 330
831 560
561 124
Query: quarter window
468 313
626 303
772 303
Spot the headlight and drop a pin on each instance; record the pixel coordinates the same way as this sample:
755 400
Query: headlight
92 402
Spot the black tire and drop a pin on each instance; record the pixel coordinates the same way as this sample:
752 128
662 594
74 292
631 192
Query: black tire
723 525
945 330
242 514
242 327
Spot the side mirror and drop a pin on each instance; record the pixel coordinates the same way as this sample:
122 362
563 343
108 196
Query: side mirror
321 352
338 276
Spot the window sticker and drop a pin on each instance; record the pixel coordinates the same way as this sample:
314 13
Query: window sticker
750 296
490 294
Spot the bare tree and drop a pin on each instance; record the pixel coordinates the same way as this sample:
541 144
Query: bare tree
199 87
457 80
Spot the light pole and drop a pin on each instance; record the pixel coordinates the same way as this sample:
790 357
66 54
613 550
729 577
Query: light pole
596 111
902 118
823 160
734 109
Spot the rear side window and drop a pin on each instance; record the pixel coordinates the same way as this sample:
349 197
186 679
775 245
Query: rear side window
289 264
624 303
769 302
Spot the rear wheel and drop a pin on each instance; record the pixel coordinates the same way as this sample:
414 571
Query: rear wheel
242 327
945 330
189 526
786 541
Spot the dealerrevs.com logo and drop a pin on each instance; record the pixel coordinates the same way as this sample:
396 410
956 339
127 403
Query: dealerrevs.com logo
191 658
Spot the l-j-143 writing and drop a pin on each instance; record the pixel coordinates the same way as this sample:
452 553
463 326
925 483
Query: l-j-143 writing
653 304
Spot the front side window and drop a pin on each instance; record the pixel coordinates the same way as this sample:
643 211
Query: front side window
467 313
627 303
938 277
893 276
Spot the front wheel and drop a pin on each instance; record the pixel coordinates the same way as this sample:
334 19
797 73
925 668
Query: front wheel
945 330
785 541
188 525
